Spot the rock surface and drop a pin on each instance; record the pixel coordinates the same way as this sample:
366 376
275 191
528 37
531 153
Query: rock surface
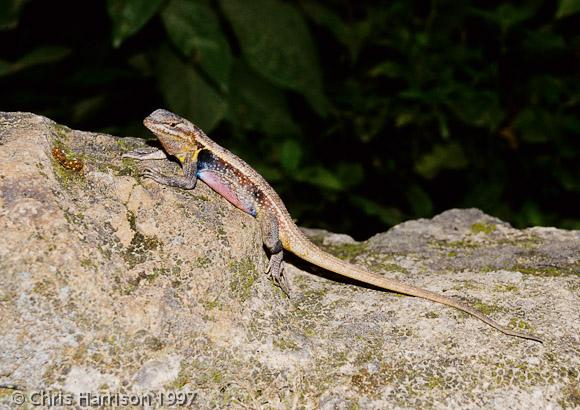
110 284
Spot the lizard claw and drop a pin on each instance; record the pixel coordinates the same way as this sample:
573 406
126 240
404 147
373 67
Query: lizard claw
151 173
275 270
283 283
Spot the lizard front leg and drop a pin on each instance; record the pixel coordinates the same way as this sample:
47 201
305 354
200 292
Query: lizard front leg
145 153
271 240
189 164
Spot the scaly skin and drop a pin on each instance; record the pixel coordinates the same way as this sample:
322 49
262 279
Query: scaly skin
240 184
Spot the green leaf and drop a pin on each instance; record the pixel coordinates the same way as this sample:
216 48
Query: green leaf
476 108
389 69
350 173
387 215
351 36
42 55
290 155
450 156
129 16
194 28
319 176
443 125
507 15
270 173
187 93
38 56
405 117
566 178
569 124
10 13
547 88
537 125
567 8
543 41
276 43
256 104
327 18
87 107
5 67
419 201
532 214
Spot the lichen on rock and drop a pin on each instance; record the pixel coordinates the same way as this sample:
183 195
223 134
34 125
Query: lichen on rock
113 283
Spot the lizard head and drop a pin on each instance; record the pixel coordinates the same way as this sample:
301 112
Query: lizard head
176 135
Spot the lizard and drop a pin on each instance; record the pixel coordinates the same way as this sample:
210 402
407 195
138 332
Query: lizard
202 158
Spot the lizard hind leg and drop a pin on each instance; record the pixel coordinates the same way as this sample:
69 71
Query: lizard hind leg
271 240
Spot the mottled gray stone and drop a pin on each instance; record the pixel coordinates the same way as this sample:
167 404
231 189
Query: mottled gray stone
114 284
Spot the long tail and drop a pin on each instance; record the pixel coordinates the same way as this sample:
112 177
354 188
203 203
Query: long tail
306 250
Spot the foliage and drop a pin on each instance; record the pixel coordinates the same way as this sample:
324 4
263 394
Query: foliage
361 114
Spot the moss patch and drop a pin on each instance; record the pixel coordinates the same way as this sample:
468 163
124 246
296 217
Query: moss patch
202 262
244 276
517 323
571 397
485 308
284 343
481 227
89 263
140 246
391 267
181 380
347 251
549 271
441 244
128 168
66 165
506 287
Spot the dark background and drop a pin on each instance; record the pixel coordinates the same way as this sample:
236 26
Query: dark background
360 114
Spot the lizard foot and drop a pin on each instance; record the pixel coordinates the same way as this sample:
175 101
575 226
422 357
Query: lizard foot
174 180
155 175
276 271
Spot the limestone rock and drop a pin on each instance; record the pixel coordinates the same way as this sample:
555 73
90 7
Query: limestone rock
111 284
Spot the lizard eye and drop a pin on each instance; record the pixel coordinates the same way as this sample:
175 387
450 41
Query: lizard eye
173 124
